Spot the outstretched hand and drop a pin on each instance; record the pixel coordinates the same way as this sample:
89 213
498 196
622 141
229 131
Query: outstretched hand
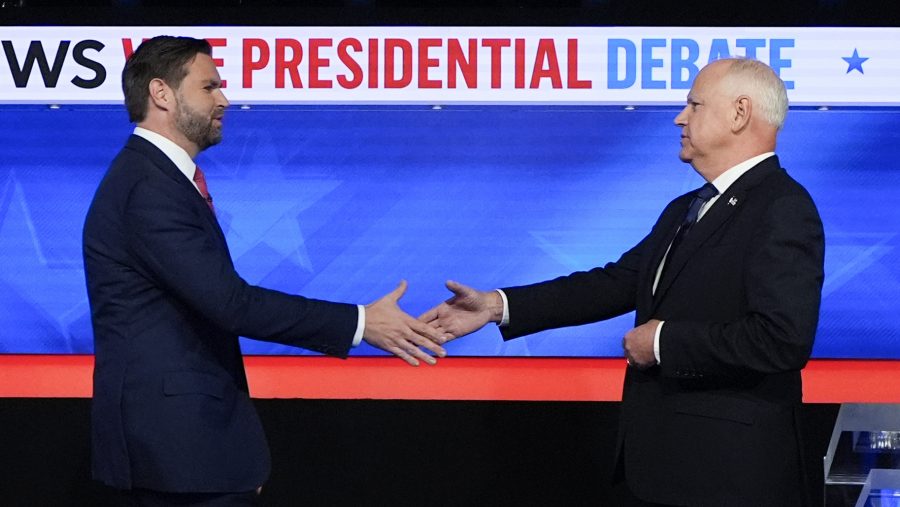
466 312
390 328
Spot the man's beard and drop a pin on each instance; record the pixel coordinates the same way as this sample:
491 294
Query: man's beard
197 128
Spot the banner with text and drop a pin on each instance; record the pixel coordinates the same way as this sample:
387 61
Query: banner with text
446 65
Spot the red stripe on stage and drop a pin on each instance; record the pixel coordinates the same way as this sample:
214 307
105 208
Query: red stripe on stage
460 378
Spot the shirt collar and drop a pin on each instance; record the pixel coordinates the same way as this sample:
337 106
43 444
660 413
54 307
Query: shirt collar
727 178
176 153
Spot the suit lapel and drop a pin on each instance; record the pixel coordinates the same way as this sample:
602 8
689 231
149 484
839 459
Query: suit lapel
161 161
715 217
668 226
671 229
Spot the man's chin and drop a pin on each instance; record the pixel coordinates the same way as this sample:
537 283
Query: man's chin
209 141
214 137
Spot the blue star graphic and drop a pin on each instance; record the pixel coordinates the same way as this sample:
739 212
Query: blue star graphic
263 207
854 62
44 285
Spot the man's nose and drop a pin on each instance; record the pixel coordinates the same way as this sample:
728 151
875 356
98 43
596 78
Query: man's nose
681 118
223 101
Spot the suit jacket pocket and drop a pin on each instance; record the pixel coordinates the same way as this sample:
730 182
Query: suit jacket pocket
192 382
718 407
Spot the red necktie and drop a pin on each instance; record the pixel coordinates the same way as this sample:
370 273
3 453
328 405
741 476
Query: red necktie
200 180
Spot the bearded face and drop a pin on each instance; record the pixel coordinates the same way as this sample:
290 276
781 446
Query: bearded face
200 104
203 128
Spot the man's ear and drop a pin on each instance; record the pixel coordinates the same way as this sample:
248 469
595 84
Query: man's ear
161 95
743 107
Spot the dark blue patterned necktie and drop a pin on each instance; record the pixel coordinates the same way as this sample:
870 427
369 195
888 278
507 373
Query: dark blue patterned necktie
703 196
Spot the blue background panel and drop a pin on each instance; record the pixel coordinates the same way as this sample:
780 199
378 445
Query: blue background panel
341 203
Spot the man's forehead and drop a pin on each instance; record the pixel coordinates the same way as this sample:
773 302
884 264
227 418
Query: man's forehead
704 81
695 91
203 68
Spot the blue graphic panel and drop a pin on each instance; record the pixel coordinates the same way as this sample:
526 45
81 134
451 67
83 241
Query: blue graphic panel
341 203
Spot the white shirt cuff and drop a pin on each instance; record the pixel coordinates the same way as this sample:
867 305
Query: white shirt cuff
360 325
505 320
656 341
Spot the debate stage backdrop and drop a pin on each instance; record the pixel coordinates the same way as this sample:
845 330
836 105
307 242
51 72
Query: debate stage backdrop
355 157
341 202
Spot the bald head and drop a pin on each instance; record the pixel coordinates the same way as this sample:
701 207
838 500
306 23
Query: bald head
758 81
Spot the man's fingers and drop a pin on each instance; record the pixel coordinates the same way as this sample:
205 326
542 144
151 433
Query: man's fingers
419 353
429 316
412 354
457 288
445 333
397 293
428 337
428 331
418 340
404 355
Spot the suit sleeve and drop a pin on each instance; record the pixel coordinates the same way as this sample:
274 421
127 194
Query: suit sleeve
578 298
168 238
783 278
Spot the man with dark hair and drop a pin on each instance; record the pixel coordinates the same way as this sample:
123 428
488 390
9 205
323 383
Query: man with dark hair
172 56
172 421
726 289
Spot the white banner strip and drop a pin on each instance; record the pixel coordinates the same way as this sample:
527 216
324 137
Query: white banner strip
453 65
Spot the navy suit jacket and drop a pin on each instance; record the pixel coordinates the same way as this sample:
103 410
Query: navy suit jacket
171 409
715 423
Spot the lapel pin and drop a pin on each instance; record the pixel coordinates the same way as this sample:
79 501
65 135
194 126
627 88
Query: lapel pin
732 201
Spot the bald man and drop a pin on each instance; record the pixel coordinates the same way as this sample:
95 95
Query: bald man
726 288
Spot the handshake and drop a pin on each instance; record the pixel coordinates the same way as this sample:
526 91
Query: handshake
468 310
391 329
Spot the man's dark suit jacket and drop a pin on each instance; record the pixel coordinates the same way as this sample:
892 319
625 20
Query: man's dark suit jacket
715 423
171 411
